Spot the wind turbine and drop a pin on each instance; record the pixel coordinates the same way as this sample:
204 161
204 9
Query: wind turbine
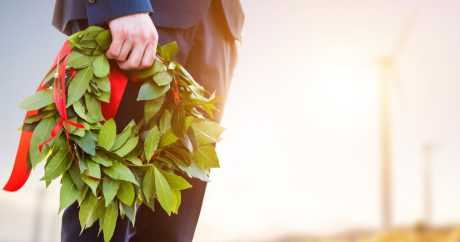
388 71
427 192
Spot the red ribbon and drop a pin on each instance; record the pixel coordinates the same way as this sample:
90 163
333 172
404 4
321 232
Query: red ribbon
21 168
175 92
118 82
60 96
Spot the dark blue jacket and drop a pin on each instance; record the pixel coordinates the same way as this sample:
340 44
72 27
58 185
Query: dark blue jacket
165 13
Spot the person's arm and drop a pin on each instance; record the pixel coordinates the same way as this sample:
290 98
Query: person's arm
134 36
100 12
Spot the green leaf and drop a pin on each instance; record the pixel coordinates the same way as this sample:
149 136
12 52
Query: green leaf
206 157
49 76
109 189
94 170
164 193
168 50
90 33
79 109
100 209
101 66
100 212
103 84
41 132
78 85
107 134
86 40
149 91
178 197
165 121
78 60
102 159
57 165
104 39
74 173
68 193
151 107
172 157
87 143
123 136
118 171
80 132
179 154
110 221
172 65
158 66
83 193
104 97
176 182
148 184
134 159
206 132
88 44
87 212
151 142
162 78
93 28
74 39
178 123
168 138
187 76
130 212
93 183
94 107
194 171
37 117
38 100
128 146
126 193
82 165
149 71
187 143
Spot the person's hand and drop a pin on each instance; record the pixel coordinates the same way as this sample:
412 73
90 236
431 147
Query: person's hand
134 41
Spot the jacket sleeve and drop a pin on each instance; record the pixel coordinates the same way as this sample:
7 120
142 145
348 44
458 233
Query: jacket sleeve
100 12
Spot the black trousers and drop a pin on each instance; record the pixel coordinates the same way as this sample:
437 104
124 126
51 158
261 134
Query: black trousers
209 52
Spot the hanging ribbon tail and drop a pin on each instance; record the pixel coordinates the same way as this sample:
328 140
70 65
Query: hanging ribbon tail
21 169
118 82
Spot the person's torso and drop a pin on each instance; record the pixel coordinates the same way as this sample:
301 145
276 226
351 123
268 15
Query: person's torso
167 13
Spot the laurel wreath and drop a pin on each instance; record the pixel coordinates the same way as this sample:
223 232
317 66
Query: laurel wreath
111 173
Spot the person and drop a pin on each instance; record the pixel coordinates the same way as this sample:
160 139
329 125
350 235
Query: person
207 32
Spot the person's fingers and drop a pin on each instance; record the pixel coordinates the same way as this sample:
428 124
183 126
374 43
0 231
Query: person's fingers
125 49
155 44
134 59
149 55
115 47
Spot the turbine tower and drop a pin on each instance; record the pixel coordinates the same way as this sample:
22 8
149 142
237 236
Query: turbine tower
388 74
427 192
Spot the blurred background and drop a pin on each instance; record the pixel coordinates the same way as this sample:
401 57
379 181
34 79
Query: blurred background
342 124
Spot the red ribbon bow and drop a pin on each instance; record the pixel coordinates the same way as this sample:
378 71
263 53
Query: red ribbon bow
118 82
60 97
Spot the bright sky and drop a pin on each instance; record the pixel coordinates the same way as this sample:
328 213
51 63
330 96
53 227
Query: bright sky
300 152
